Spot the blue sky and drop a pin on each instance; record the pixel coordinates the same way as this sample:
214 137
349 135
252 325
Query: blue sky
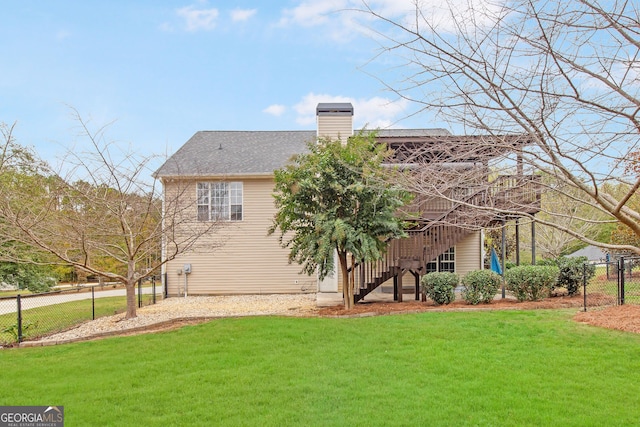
163 70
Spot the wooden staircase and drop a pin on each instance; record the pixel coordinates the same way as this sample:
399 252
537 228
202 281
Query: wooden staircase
408 254
437 235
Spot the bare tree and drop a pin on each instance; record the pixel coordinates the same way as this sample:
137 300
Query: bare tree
101 212
583 219
561 77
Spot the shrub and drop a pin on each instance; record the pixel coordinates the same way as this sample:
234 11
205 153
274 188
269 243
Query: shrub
13 330
547 261
480 286
440 287
509 264
571 273
531 282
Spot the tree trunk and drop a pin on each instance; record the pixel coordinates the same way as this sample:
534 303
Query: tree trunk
131 289
131 300
352 281
347 291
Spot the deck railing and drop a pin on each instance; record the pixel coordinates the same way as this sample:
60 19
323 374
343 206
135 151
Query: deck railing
507 192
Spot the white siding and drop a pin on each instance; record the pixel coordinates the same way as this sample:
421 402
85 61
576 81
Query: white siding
469 254
248 261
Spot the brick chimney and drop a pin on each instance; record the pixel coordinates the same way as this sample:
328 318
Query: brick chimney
335 120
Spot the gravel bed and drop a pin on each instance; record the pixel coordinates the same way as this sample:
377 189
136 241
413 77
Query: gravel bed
190 307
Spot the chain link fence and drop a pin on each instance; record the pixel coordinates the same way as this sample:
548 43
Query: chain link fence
615 283
25 317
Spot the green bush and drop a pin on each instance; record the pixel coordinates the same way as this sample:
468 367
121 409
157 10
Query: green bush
531 282
440 287
480 286
571 273
33 277
509 264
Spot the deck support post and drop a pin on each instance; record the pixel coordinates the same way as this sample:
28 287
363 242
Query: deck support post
416 276
517 241
395 287
533 243
503 249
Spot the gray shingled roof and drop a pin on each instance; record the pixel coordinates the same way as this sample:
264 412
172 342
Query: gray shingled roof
235 153
593 253
216 153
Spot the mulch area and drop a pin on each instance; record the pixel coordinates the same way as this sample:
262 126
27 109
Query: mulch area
623 318
378 308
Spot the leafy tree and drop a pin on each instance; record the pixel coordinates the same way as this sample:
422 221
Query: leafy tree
20 168
623 235
561 76
35 278
333 199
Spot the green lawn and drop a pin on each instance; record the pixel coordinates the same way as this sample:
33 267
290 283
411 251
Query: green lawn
603 285
513 368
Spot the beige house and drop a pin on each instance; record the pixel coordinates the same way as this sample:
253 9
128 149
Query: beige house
226 177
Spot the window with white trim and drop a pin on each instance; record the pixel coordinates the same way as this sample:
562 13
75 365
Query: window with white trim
446 262
219 201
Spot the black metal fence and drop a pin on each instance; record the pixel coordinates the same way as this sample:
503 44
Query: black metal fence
615 283
31 316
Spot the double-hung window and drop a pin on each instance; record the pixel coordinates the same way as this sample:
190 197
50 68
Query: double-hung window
219 201
446 262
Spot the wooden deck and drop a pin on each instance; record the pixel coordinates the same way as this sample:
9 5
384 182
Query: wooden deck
444 223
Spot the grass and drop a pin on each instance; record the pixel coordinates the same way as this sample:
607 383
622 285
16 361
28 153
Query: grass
52 318
15 292
607 285
57 317
512 368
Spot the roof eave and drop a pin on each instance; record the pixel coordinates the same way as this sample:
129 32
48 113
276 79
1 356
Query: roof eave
217 176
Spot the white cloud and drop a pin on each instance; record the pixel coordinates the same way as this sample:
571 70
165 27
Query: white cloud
376 112
238 15
311 13
275 110
198 19
335 16
348 17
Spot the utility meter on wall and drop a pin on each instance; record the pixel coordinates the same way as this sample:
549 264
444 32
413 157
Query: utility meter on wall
186 268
